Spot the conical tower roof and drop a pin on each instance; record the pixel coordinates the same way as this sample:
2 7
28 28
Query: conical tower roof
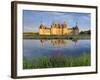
41 26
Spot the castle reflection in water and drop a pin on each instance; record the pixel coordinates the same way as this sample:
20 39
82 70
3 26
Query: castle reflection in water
57 42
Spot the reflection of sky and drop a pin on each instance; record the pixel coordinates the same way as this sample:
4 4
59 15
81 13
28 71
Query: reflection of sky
34 48
32 19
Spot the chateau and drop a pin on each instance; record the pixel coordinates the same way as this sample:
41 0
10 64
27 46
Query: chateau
58 29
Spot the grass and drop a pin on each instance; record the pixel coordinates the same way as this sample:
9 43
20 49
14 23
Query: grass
58 61
80 36
30 33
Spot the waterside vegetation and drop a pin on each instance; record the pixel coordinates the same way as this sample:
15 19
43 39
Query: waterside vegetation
35 35
57 61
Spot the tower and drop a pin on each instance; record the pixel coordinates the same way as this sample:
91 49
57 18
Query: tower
41 29
76 29
64 28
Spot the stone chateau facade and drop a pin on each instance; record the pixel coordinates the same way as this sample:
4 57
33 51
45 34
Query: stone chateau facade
58 29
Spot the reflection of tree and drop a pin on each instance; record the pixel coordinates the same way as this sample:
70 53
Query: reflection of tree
57 42
75 41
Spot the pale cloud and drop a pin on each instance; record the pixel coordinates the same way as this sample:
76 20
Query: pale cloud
34 19
30 29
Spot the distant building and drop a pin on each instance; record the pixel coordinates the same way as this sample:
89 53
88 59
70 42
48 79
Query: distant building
58 29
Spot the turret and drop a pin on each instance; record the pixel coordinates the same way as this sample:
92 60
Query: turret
41 26
65 25
76 29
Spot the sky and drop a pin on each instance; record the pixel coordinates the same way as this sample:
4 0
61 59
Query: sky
32 19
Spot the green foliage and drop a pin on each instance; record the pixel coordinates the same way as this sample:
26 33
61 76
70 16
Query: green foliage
85 32
57 61
30 33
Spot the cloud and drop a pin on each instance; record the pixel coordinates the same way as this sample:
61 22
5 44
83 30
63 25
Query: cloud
30 29
32 19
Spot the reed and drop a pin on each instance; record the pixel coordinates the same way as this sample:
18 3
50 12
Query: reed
57 61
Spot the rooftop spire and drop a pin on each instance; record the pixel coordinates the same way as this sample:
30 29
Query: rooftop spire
76 26
76 23
64 22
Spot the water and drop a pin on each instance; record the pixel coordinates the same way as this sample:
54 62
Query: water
35 48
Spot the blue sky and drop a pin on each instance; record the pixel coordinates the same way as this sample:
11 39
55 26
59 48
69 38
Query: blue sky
32 19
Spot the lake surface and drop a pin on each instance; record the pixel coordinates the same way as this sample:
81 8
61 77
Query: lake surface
34 48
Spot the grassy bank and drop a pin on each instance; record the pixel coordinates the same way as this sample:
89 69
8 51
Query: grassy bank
58 61
80 36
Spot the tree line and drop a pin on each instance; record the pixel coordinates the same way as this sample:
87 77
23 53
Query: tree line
85 32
